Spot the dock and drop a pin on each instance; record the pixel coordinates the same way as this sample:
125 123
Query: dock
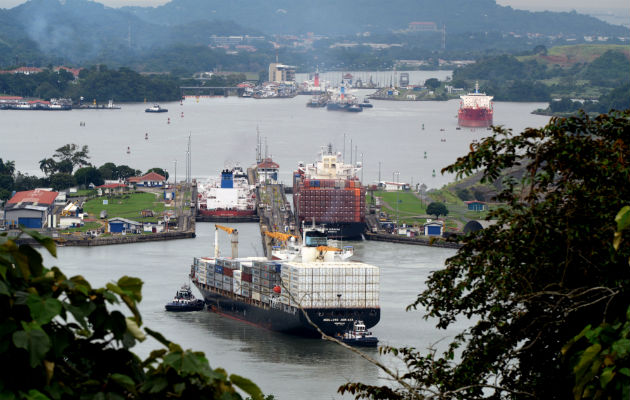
274 210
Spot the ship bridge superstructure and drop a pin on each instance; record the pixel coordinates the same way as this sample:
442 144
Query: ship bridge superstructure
476 99
330 166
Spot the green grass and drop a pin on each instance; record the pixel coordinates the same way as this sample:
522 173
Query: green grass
89 226
408 205
83 193
445 196
126 206
572 54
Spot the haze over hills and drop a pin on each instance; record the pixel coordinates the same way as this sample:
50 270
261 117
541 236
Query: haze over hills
341 18
81 32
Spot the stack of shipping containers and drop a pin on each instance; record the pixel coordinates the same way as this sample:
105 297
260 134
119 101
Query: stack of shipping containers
341 285
245 278
311 285
331 200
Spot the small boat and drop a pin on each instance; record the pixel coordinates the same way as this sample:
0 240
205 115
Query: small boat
155 109
358 336
185 301
366 104
354 108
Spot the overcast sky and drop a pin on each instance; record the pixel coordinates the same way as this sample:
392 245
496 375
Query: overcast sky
521 4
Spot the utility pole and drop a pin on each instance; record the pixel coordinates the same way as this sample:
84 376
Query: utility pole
397 190
362 169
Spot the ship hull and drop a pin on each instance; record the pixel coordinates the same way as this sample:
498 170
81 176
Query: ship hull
227 213
331 321
475 118
341 230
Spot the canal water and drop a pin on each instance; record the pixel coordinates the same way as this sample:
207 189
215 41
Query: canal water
223 130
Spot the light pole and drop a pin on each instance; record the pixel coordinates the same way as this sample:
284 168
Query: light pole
362 169
397 173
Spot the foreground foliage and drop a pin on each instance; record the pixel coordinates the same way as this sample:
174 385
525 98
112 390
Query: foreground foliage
547 288
59 338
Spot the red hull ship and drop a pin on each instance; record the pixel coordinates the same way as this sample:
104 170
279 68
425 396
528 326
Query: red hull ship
476 110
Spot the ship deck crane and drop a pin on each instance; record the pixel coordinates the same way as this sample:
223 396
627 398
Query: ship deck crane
234 239
283 237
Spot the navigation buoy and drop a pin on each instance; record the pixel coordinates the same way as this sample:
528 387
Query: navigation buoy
422 126
425 155
146 136
182 114
128 150
169 120
434 173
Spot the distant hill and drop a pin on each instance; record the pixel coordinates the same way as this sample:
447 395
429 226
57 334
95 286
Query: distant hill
331 17
80 31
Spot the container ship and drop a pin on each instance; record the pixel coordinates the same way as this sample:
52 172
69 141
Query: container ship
329 193
231 196
332 291
475 110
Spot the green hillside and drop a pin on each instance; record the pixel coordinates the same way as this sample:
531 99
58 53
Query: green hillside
567 56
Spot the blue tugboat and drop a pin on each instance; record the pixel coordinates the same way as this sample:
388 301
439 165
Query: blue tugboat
358 336
185 301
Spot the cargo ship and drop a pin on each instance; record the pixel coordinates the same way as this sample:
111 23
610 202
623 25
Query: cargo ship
329 193
475 110
230 197
333 292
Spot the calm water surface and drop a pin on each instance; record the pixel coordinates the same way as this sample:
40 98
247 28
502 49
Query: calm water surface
224 130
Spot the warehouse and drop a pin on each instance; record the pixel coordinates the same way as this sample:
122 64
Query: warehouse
31 208
123 225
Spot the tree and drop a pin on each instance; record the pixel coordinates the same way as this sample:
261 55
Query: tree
108 171
159 171
463 194
26 182
7 179
124 172
546 290
437 209
432 83
48 166
62 338
62 180
86 175
70 153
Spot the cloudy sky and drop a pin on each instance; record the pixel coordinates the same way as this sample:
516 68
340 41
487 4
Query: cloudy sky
521 4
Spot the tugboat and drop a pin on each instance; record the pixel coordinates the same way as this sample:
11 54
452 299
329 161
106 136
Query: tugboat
358 336
155 109
185 301
366 103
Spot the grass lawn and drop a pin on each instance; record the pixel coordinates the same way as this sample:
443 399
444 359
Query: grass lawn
127 206
87 227
408 203
82 193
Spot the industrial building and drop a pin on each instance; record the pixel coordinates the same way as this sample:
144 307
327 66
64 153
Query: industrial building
281 73
123 225
31 209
